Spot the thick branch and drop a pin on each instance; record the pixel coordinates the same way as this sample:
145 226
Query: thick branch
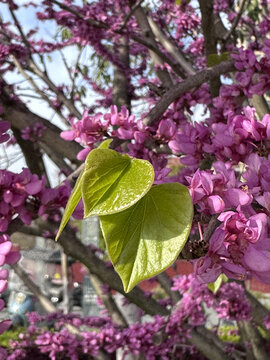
169 46
187 85
148 34
208 27
207 347
213 224
44 301
32 154
121 88
259 312
254 337
74 248
220 346
20 117
165 281
261 105
108 302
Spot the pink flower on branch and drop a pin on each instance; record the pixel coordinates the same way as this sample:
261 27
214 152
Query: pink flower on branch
239 248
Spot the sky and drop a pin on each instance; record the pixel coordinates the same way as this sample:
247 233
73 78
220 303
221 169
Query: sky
59 75
57 72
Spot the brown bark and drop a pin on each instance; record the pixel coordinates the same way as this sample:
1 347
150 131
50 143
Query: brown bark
210 42
207 347
165 281
121 90
190 83
20 117
32 154
108 302
251 334
74 248
142 20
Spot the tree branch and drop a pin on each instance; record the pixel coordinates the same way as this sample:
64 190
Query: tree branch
47 304
35 290
34 85
165 281
208 26
20 117
60 95
261 105
259 312
235 22
207 347
149 45
32 154
172 50
121 84
74 248
253 336
142 21
192 82
108 302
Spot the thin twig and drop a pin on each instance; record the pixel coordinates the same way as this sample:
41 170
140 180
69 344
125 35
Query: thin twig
34 85
169 46
134 37
235 22
18 25
134 7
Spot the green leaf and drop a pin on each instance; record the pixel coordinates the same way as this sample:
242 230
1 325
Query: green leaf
214 287
179 2
113 182
105 144
147 238
215 59
76 194
71 205
66 34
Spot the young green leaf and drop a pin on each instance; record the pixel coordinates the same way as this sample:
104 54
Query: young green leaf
113 182
76 194
105 144
215 59
71 205
214 287
146 238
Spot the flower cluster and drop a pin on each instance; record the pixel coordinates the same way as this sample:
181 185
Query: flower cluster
94 128
214 192
231 303
26 196
241 135
147 338
238 248
10 257
33 133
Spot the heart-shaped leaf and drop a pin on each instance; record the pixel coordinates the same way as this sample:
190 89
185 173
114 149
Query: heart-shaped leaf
113 182
76 194
146 238
73 201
